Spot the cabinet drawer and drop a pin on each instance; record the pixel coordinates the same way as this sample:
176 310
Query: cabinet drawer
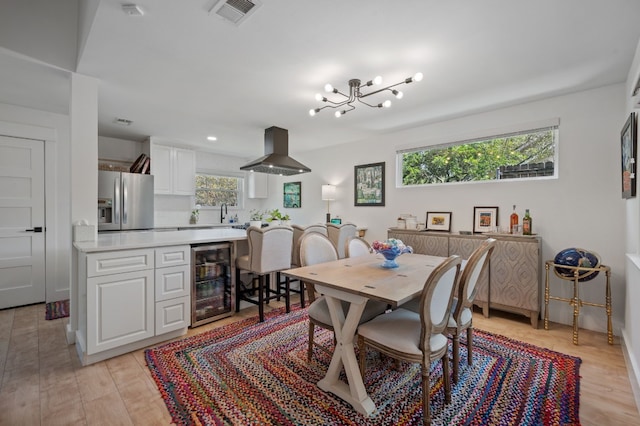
173 282
173 314
116 262
173 256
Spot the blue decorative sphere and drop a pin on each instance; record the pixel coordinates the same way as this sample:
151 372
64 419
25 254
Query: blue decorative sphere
577 257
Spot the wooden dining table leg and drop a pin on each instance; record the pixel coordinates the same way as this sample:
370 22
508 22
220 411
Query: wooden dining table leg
344 354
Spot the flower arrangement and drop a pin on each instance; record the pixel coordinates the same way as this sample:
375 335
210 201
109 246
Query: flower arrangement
391 249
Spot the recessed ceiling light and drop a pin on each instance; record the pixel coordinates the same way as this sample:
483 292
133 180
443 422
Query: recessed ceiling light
212 138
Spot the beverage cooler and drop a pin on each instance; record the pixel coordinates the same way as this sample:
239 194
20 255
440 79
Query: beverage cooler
212 289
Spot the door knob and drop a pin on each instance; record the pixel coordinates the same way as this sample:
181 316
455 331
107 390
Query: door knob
34 229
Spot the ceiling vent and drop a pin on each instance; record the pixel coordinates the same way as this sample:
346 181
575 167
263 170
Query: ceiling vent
235 11
123 121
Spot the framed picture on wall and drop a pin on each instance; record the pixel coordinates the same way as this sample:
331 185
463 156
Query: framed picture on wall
438 221
369 185
292 198
485 219
628 140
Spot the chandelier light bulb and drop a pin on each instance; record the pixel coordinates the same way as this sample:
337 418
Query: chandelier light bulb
377 80
386 103
338 114
312 112
398 94
418 76
319 97
328 88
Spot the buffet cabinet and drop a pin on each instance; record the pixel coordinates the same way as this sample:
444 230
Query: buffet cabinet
512 282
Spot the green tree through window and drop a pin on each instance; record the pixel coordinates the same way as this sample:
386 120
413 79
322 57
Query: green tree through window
212 190
481 160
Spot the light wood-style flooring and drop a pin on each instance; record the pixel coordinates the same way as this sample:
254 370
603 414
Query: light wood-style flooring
43 383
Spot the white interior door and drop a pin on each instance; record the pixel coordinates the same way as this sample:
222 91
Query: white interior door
22 278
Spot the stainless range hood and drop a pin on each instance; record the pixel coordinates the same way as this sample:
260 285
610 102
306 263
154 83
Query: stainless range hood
276 160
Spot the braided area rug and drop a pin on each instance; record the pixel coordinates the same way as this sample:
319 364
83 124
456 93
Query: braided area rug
250 373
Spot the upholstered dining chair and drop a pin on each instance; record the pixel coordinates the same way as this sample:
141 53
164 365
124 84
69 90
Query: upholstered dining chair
356 246
338 234
299 231
316 248
462 307
269 252
417 337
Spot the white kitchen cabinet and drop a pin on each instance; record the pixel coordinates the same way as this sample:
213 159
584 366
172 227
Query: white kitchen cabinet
258 185
174 170
129 299
121 310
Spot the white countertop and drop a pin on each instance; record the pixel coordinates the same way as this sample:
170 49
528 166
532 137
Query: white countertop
144 239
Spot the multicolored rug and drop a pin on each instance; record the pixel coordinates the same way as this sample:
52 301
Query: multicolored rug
250 373
55 310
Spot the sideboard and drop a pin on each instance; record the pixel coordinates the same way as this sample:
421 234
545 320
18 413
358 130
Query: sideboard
512 282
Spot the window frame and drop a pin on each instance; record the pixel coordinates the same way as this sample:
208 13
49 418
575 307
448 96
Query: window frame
479 136
222 174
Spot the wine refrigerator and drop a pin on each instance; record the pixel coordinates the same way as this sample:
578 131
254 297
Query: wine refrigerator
212 289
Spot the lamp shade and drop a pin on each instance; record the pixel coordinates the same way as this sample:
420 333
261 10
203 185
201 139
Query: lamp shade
328 192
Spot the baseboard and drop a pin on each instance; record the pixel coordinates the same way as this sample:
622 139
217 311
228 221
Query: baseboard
632 368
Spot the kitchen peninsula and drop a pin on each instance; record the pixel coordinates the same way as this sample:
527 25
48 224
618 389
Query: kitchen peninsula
134 288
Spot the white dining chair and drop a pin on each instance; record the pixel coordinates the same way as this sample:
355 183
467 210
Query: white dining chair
417 337
298 232
356 246
339 234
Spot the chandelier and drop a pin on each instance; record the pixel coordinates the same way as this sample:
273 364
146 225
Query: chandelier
355 94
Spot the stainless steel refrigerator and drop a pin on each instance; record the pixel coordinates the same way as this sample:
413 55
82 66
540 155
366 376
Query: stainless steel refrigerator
125 201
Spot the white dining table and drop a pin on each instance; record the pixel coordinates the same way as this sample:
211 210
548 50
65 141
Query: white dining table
357 280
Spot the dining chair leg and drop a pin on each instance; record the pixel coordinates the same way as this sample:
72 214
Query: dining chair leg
238 290
456 355
446 378
362 356
287 293
426 391
310 349
261 297
470 345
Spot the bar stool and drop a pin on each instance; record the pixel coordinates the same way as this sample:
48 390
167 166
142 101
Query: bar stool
269 252
578 274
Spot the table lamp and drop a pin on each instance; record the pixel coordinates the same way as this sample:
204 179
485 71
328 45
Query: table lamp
328 194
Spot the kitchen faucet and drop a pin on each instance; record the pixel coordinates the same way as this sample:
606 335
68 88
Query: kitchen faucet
223 215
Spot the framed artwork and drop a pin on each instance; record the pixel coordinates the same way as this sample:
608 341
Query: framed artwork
369 185
292 195
628 139
438 221
485 219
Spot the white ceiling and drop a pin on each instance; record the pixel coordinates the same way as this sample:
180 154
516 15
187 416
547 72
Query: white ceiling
180 73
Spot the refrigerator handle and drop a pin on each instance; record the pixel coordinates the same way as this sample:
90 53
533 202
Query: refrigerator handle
125 201
116 201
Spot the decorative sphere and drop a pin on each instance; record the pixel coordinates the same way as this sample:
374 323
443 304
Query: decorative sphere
577 257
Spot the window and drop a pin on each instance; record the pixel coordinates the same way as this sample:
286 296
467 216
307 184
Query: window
214 190
515 155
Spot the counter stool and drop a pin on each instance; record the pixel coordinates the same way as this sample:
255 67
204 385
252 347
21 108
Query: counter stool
269 252
578 274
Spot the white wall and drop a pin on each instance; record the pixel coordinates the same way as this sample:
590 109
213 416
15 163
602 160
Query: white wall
582 208
631 330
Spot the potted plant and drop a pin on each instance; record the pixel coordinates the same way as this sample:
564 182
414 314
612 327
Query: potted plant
195 214
255 218
286 219
274 217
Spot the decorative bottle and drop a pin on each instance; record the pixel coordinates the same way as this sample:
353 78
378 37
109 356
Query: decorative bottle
526 223
514 219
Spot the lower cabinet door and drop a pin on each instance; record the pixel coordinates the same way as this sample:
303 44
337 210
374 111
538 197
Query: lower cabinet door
120 310
173 314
